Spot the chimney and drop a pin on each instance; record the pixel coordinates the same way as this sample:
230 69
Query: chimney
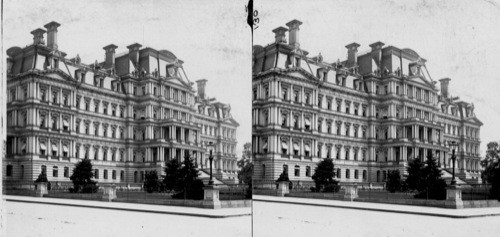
352 53
52 34
445 82
38 36
133 52
201 88
109 60
377 52
293 35
279 34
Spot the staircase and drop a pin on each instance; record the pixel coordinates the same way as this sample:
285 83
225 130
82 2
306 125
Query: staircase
461 177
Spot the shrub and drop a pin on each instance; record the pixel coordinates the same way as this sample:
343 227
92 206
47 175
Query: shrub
323 177
42 177
151 183
393 183
82 177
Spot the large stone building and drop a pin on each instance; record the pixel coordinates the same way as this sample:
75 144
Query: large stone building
370 113
129 114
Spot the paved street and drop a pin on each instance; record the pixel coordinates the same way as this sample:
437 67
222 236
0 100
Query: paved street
285 219
33 219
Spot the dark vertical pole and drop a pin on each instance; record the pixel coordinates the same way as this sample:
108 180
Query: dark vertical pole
453 158
210 182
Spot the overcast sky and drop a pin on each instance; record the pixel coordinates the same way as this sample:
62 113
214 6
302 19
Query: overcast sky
213 39
459 39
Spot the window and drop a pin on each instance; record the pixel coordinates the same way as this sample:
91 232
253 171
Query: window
308 98
135 90
295 149
43 94
338 173
266 92
296 96
96 174
54 97
105 176
297 171
355 154
55 171
254 94
113 173
65 99
356 174
143 90
364 174
296 122
87 105
339 105
42 121
44 169
338 154
66 172
347 174
356 107
105 109
54 123
284 118
9 171
329 104
284 148
122 175
347 107
308 171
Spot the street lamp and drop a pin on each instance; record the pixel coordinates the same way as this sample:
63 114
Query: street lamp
453 145
211 146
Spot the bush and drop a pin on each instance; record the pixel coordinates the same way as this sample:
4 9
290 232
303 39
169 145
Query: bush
394 182
426 179
42 178
323 177
151 183
82 177
283 177
183 180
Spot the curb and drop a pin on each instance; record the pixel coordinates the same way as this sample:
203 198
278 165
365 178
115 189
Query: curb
457 216
131 209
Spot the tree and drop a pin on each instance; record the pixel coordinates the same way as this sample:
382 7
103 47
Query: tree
283 177
245 165
171 174
394 182
323 177
151 183
183 180
82 177
425 178
491 172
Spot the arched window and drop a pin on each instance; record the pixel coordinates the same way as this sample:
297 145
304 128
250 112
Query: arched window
347 174
9 171
96 174
338 173
364 174
113 174
308 171
105 176
297 171
55 171
122 175
66 172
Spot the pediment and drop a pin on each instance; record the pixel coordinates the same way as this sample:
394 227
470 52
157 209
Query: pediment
301 73
474 120
58 75
178 81
422 81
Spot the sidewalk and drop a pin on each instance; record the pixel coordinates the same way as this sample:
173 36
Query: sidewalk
160 209
405 209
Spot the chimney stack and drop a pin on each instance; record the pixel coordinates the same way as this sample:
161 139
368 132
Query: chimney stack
109 61
133 52
279 34
352 53
201 88
377 52
293 35
38 36
445 82
52 34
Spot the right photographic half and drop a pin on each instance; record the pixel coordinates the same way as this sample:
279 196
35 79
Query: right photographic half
376 118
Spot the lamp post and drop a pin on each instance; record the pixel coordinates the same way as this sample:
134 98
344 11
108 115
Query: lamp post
453 145
211 158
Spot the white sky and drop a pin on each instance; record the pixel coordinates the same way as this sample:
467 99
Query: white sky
460 40
213 39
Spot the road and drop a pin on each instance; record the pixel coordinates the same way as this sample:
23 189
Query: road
33 219
283 219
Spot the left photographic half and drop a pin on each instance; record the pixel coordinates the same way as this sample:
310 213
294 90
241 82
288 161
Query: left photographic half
126 118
